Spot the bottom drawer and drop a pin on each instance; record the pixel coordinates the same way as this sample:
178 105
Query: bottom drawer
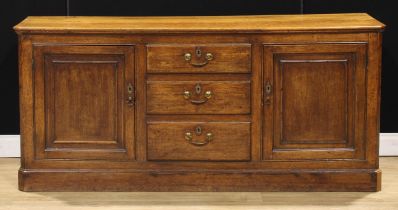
207 141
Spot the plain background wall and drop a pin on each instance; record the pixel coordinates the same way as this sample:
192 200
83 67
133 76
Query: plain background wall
13 11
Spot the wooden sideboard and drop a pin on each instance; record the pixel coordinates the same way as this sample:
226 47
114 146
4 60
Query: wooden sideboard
237 103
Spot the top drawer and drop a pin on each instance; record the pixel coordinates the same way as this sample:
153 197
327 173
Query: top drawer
201 58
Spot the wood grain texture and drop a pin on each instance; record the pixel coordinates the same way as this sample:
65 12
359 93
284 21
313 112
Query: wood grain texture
289 110
212 24
227 58
230 141
13 199
191 181
315 106
26 99
373 92
318 100
227 97
82 113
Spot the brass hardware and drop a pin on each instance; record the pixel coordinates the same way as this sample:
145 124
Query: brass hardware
187 94
204 63
202 101
209 56
198 132
187 56
130 89
268 91
209 136
198 89
268 88
198 52
208 94
131 95
188 136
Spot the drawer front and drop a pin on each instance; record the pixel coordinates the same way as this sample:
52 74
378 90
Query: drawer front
204 97
190 58
207 141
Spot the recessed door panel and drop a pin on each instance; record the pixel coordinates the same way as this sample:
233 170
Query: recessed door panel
316 107
83 113
313 99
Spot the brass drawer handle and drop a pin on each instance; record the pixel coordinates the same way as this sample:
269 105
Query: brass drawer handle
198 131
198 89
208 57
207 96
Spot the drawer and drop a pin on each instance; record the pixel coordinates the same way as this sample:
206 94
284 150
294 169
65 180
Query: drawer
193 97
190 58
207 141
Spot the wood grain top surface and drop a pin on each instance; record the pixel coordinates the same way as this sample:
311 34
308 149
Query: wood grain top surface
184 24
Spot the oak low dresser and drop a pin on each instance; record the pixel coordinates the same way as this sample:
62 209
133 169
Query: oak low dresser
226 103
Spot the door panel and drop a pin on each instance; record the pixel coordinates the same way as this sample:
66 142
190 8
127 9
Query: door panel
84 114
313 99
316 107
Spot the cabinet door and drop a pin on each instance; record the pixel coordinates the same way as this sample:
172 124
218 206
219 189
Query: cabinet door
81 102
314 101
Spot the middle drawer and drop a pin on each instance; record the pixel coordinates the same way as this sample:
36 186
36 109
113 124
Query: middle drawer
198 97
